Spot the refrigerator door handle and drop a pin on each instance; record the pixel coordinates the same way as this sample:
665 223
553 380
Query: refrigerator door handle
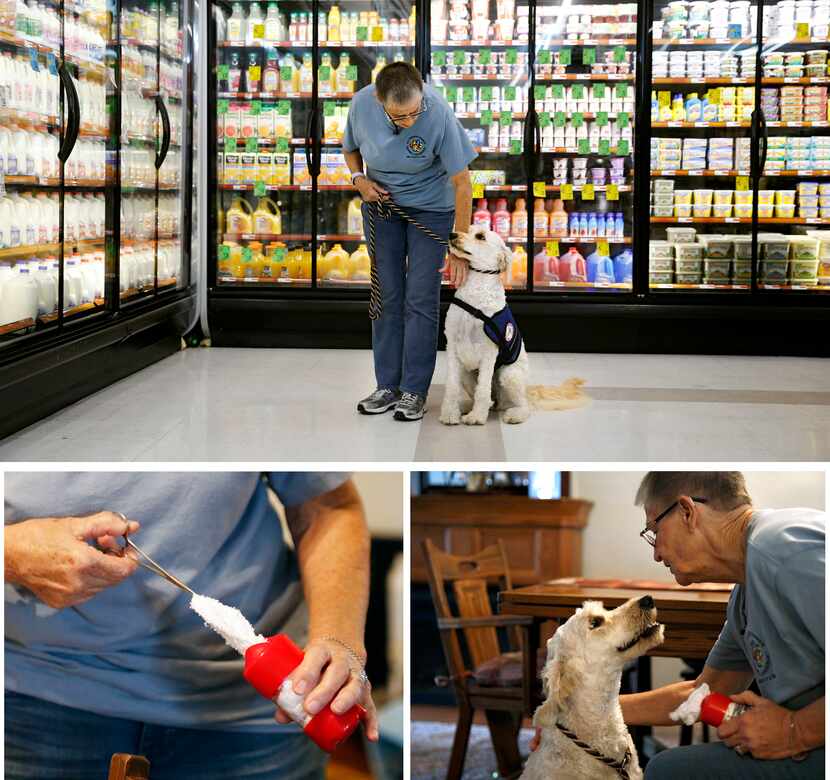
765 138
308 140
165 130
528 152
317 137
73 118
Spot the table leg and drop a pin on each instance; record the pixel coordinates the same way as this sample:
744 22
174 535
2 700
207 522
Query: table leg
530 645
639 733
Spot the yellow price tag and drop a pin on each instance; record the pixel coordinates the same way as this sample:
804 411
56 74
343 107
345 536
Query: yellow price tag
802 30
567 192
552 248
664 98
255 72
377 34
714 96
539 189
602 248
612 192
587 192
742 183
478 190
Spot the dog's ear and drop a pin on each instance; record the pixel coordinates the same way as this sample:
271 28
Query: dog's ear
505 258
560 679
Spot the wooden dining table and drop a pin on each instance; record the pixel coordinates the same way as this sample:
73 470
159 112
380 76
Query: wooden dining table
693 616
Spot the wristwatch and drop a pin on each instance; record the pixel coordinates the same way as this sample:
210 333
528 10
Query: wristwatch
356 175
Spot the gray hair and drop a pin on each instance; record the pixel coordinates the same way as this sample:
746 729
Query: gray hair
725 490
398 82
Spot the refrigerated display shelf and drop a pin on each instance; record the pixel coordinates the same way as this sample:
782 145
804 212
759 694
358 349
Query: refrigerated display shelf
571 239
494 114
545 43
719 172
289 237
153 49
292 142
692 125
743 220
23 251
288 187
323 45
730 82
30 118
147 139
284 280
21 43
586 77
282 95
98 303
733 41
134 292
817 287
14 327
699 286
585 285
575 150
438 78
41 183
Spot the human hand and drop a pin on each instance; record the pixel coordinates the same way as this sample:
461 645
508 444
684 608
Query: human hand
763 731
329 673
458 270
536 740
370 191
51 557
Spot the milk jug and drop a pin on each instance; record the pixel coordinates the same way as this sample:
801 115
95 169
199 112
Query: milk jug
354 220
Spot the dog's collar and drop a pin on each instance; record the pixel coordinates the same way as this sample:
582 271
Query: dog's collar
621 767
482 271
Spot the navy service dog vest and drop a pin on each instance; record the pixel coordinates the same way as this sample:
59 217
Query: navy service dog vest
501 329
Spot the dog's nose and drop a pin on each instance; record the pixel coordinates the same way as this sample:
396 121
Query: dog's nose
646 602
453 236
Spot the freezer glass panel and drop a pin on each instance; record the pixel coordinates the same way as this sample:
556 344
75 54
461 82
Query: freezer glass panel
794 190
703 96
264 75
583 197
479 59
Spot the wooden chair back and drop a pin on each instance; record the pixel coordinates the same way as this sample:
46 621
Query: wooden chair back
124 766
468 575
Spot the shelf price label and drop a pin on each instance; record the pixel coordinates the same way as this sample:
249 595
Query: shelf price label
559 119
515 146
619 54
486 118
602 247
544 57
621 90
577 119
539 189
478 191
259 190
251 144
439 58
742 183
544 119
587 192
578 91
377 34
564 56
622 119
567 192
599 90
583 146
802 30
458 58
363 33
589 56
622 147
230 145
282 145
604 146
484 56
539 92
602 118
222 107
612 192
552 248
511 57
223 71
468 94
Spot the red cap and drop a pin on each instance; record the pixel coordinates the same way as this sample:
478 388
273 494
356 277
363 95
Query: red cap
268 663
713 708
328 729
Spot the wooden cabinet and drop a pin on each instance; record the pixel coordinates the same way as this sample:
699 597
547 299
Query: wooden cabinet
543 539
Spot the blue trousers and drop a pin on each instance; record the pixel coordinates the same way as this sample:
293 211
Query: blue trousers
405 336
48 741
716 761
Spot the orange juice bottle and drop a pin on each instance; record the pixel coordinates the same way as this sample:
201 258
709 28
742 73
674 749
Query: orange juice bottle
518 269
540 218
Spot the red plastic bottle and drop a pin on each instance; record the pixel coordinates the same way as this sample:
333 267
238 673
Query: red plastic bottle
716 708
268 664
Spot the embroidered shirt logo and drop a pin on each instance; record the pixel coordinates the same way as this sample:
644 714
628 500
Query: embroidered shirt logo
416 145
509 332
759 654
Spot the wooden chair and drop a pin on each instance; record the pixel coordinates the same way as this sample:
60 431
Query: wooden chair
503 703
123 766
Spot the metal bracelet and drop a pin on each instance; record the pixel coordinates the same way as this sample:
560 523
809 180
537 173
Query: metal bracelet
361 672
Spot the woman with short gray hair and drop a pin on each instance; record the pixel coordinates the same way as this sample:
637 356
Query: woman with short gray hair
404 144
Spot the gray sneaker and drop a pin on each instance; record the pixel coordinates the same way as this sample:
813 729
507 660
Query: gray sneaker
382 400
410 407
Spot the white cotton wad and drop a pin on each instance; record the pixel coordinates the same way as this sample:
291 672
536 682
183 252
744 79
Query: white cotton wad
226 621
689 711
293 704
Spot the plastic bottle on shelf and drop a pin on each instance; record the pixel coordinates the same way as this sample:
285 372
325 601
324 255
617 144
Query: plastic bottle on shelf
540 218
518 219
623 266
267 217
271 72
558 219
542 267
342 82
253 73
501 219
599 268
583 225
354 218
482 215
379 66
359 264
619 226
255 26
572 266
239 216
334 24
235 74
274 24
573 224
518 267
237 24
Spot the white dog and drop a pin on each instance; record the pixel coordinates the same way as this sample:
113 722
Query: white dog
581 679
471 354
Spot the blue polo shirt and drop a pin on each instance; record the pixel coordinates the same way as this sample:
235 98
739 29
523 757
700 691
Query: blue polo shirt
775 621
416 164
137 650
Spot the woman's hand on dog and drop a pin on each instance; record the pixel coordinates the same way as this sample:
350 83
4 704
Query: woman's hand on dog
458 269
329 673
762 731
536 739
370 191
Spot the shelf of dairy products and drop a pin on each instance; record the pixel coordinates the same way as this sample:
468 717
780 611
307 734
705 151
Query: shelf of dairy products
805 172
744 220
335 28
154 26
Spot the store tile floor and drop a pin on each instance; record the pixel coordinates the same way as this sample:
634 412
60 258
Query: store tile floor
299 405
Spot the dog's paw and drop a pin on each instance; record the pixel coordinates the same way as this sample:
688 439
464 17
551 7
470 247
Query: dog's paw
466 407
450 416
516 414
475 417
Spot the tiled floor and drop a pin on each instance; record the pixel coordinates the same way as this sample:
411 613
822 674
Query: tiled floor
298 405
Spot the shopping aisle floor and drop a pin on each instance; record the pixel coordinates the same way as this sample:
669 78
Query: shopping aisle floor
299 405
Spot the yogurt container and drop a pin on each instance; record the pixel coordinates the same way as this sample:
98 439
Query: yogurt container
785 210
681 235
784 197
703 197
743 210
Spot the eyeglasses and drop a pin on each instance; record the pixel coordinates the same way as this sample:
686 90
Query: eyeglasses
414 115
650 534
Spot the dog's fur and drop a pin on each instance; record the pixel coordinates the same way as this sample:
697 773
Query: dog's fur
582 683
471 355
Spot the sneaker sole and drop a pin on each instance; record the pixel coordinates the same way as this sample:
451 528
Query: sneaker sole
383 410
403 418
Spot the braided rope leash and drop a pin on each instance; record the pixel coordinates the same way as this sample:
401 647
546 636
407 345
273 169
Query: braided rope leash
621 767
